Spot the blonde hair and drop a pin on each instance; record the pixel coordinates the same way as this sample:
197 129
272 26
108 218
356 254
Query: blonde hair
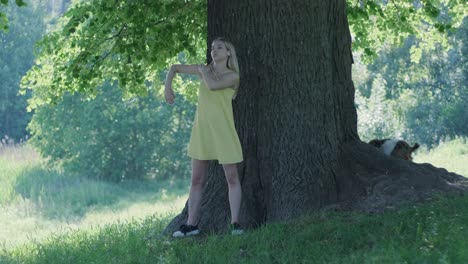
231 62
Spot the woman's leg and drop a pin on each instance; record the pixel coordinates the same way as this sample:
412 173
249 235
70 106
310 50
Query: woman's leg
235 191
199 169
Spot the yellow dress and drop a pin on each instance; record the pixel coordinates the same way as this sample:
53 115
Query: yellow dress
214 136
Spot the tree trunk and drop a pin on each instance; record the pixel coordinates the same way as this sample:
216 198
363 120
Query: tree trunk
294 114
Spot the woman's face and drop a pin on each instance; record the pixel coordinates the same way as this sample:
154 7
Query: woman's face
219 51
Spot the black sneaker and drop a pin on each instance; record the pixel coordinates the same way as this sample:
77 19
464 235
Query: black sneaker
186 230
236 229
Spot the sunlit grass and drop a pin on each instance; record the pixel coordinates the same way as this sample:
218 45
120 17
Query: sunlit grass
451 155
23 222
36 201
13 160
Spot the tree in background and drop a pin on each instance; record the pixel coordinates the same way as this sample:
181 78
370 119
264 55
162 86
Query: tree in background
423 101
111 139
4 17
295 111
16 58
378 117
440 84
129 148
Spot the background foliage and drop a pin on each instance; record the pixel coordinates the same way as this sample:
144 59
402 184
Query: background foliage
424 101
108 138
130 41
127 42
16 58
95 84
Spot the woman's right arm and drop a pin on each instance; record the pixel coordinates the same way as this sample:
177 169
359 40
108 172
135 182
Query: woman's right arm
188 69
181 68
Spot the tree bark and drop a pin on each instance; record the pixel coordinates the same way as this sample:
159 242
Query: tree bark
294 114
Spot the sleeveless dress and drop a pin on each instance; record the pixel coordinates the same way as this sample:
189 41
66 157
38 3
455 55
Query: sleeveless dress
214 136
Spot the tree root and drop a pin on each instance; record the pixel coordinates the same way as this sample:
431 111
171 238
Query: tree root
370 181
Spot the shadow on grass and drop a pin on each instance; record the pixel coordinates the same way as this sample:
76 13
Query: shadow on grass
59 196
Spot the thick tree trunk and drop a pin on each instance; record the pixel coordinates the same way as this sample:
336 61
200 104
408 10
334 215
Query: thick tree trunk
294 114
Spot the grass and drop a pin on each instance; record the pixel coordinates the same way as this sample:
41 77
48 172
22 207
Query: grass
429 233
47 217
451 155
36 202
13 160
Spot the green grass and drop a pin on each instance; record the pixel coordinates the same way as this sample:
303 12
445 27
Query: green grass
36 202
451 155
429 233
47 217
13 160
59 196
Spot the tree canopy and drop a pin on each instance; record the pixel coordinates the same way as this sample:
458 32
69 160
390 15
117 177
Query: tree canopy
131 42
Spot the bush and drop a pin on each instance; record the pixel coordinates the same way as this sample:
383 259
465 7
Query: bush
112 139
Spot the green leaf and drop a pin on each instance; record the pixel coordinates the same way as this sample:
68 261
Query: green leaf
20 3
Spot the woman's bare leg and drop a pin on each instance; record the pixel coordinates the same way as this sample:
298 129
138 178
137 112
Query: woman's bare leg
235 191
199 170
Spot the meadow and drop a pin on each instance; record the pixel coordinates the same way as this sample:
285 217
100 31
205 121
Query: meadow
49 217
36 201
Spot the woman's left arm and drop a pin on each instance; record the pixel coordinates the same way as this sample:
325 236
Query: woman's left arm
227 80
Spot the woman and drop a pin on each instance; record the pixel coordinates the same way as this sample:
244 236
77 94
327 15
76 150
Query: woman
214 135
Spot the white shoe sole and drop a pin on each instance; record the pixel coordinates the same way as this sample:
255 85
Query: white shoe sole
191 233
237 232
